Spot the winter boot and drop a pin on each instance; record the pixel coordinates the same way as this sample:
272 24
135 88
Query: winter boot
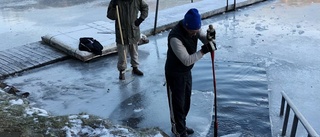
121 75
189 131
185 134
137 71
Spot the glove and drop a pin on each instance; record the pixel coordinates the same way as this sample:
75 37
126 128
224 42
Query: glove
114 3
209 47
138 22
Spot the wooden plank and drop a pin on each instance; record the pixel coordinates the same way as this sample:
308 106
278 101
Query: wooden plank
37 50
4 59
18 61
53 51
9 61
25 58
3 74
6 70
33 58
4 67
40 56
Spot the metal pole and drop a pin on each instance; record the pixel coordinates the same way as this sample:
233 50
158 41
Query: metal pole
282 106
285 122
227 5
294 126
155 19
302 119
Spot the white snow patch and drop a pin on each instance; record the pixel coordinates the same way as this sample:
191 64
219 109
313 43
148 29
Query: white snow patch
16 102
73 116
85 116
36 111
138 110
158 135
101 132
233 135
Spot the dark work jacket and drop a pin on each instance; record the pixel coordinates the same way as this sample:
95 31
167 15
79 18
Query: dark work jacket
173 64
128 13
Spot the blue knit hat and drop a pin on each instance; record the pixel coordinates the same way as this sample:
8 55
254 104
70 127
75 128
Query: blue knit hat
192 19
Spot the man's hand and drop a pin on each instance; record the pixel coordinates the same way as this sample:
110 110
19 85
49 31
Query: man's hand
138 22
209 47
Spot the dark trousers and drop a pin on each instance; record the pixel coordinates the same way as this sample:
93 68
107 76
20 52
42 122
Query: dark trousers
179 96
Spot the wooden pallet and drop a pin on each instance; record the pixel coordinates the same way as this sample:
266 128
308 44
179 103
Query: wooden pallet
26 57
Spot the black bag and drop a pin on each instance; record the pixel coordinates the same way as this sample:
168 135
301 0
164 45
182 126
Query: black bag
91 45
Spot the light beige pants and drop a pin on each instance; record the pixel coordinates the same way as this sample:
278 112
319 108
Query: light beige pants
122 56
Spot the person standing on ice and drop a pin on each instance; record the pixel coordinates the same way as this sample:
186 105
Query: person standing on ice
181 55
127 22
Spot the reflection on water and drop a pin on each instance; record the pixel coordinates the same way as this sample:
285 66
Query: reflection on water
242 97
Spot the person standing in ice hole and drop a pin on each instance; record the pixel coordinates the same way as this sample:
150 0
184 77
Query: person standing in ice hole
181 55
127 31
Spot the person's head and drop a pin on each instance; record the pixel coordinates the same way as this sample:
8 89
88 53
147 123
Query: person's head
192 21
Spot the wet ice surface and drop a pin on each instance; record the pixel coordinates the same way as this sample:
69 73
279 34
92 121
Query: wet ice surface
139 106
72 87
